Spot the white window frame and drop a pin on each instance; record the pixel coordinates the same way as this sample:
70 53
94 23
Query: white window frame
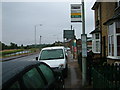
110 52
117 34
95 49
115 43
118 1
98 13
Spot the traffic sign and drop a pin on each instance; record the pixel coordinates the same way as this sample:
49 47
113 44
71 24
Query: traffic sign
76 13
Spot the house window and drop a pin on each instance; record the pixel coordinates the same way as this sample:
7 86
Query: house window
118 3
111 46
114 40
118 37
96 43
97 36
117 27
97 46
98 13
118 45
111 40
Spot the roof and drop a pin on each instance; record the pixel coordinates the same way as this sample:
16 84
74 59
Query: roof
56 47
113 19
97 30
12 68
95 5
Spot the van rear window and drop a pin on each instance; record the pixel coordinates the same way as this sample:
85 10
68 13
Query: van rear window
52 54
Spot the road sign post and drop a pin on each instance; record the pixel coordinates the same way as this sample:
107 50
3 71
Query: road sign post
84 55
84 48
76 16
76 13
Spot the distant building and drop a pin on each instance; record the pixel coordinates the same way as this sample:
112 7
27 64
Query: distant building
106 36
79 45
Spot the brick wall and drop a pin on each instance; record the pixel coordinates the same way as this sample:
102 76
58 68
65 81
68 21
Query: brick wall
107 11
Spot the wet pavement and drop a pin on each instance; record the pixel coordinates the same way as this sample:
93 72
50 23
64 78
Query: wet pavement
74 78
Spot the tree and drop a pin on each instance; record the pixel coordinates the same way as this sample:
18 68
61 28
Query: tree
22 46
2 46
13 46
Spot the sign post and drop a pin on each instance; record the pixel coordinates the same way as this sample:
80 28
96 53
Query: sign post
84 55
76 16
84 48
76 13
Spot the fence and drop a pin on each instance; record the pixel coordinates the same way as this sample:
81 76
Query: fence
106 76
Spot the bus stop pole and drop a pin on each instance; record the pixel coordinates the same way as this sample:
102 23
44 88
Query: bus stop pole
84 48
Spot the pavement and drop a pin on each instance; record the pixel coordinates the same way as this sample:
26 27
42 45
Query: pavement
74 79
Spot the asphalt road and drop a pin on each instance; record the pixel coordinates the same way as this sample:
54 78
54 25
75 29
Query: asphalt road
73 79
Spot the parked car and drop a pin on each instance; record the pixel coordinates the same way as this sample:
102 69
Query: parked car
55 57
30 74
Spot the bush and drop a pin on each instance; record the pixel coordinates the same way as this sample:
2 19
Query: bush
10 51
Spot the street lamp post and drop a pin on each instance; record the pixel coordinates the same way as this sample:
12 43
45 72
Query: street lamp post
40 40
35 32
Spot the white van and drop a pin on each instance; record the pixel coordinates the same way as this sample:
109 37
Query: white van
55 57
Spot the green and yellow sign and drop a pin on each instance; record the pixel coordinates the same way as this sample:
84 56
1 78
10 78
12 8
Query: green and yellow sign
76 13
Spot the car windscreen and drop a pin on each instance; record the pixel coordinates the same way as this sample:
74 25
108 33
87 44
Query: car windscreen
52 54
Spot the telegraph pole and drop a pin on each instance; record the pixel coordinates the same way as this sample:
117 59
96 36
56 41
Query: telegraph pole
84 48
35 36
35 32
40 39
71 27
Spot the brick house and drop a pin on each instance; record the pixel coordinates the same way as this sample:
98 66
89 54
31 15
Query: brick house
106 36
79 45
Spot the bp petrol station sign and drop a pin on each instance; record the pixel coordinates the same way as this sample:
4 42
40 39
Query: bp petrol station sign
76 13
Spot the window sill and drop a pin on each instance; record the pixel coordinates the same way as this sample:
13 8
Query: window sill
96 52
113 57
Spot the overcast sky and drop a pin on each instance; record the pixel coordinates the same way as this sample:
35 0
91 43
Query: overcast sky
19 20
